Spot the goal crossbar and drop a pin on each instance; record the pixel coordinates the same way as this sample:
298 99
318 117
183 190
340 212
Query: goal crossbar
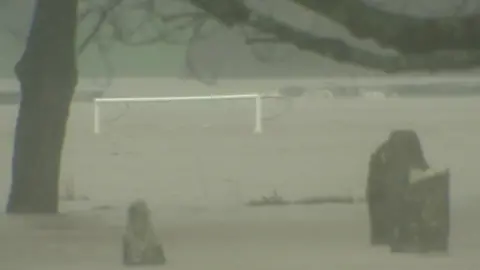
257 97
179 98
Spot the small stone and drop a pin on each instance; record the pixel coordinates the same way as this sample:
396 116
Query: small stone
140 243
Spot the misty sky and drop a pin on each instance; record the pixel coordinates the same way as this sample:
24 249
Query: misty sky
224 52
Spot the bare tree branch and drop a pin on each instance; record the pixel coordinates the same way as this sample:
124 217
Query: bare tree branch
402 32
153 24
190 59
160 36
415 38
84 14
266 47
228 12
18 35
343 52
104 12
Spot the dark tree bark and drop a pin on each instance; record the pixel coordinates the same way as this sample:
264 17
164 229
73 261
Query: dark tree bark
229 12
341 51
402 32
48 76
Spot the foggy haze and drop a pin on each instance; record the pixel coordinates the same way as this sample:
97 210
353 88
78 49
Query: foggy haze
223 54
198 163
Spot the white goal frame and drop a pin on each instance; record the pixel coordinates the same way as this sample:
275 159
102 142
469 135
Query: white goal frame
258 127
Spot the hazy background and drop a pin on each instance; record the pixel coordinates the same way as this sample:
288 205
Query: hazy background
197 163
224 53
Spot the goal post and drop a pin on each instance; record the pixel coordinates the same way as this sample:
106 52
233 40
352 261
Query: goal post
258 127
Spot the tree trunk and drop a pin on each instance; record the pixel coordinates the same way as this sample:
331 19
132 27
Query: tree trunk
48 76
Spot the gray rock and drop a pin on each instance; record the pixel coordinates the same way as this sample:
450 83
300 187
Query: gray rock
140 243
428 213
397 205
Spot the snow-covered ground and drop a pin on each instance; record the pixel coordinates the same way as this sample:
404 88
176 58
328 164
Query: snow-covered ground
197 163
315 237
